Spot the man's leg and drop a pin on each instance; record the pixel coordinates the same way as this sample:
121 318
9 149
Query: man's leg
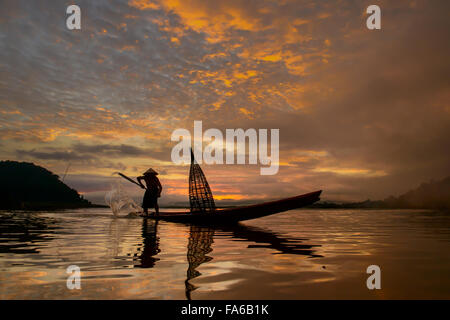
146 211
157 208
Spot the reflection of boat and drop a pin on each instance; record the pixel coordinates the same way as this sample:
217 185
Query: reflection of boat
201 239
270 240
233 215
199 245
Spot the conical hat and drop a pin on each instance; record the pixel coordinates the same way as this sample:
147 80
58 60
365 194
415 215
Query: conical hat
150 171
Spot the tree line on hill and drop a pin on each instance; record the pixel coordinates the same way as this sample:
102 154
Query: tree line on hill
431 195
25 186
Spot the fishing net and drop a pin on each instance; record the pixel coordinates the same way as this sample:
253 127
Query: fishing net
120 202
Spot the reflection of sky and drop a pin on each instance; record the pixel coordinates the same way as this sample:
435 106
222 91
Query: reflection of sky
361 113
409 246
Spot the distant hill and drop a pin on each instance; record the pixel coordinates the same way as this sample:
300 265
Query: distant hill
26 186
431 195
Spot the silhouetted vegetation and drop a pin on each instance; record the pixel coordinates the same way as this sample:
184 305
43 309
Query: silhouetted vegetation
25 186
367 204
431 195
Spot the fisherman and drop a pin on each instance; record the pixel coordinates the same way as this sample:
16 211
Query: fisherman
153 191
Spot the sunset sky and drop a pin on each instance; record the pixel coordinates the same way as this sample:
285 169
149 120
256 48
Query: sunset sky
362 113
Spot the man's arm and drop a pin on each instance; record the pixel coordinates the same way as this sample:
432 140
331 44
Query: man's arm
139 180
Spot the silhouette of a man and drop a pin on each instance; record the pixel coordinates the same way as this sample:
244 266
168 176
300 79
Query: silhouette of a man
153 191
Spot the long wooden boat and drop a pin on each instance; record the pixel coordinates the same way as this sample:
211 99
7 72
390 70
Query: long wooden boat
236 214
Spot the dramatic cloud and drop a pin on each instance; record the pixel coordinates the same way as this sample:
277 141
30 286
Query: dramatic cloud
361 113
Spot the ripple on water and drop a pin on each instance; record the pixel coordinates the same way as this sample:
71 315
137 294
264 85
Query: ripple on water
297 254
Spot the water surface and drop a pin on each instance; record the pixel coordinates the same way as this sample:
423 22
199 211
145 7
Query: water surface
300 254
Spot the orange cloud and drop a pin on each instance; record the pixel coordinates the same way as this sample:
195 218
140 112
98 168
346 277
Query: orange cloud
144 4
211 18
246 112
352 171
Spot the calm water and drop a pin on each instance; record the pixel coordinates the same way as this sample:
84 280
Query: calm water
294 255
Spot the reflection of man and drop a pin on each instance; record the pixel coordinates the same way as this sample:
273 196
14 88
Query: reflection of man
150 244
153 191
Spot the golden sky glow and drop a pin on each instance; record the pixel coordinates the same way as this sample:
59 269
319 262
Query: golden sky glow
361 113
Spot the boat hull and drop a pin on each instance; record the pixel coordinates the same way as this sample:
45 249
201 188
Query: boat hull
236 214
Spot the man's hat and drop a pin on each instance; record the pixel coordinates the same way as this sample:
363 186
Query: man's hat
150 171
